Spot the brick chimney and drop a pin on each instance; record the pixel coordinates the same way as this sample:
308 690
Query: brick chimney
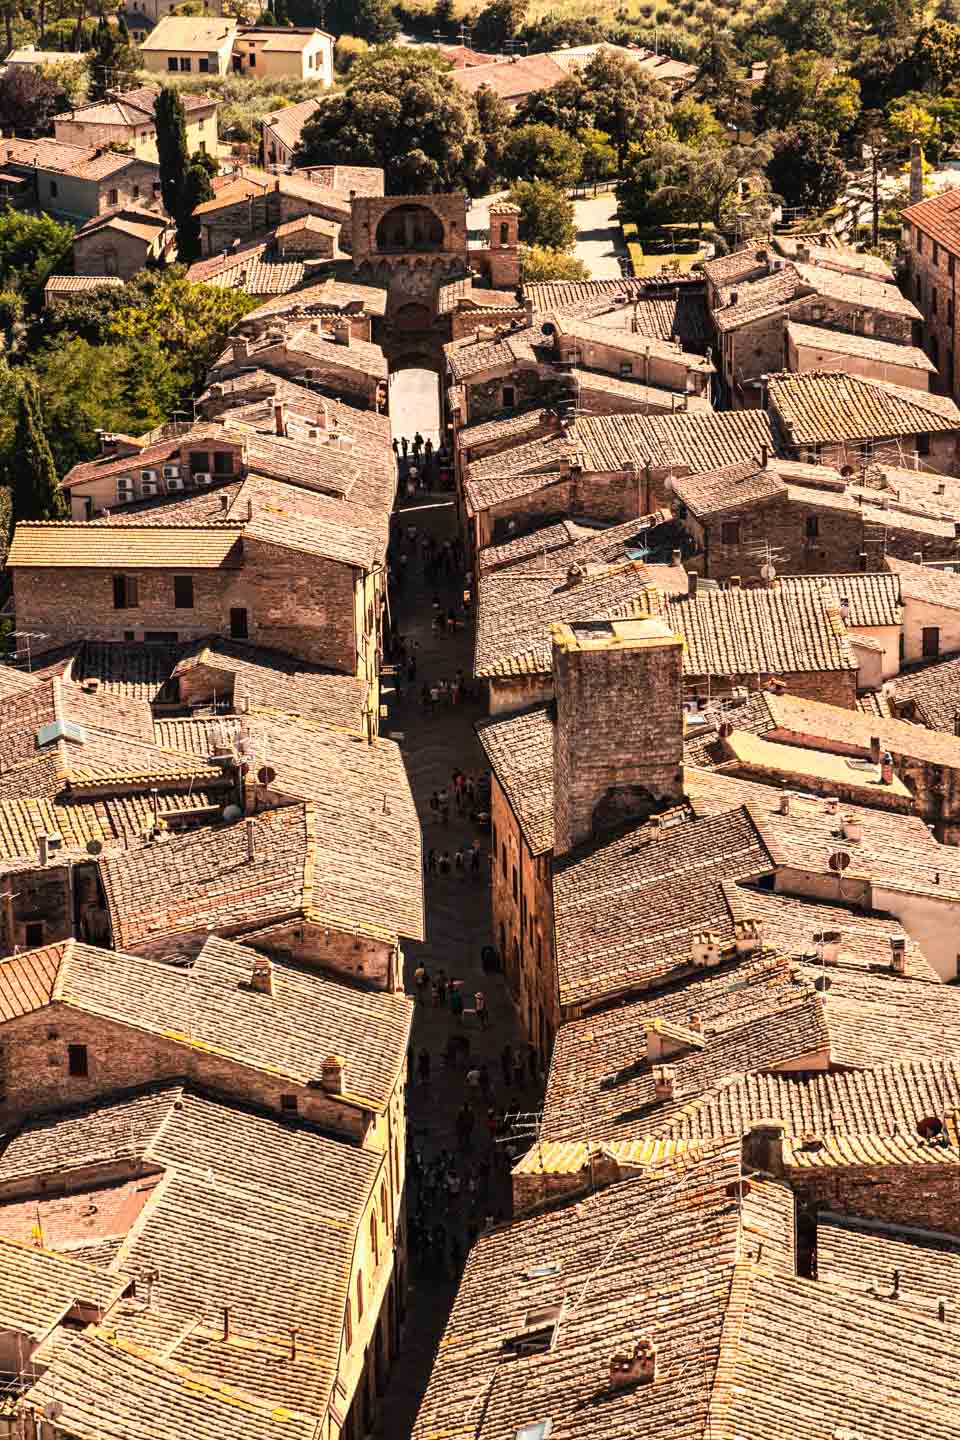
241 348
280 417
262 977
332 1074
607 771
898 954
638 1368
664 1082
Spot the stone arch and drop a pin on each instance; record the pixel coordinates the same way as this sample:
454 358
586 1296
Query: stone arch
410 229
413 315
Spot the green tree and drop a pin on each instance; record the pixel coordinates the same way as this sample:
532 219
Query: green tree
29 100
37 493
190 321
599 156
540 263
546 215
935 61
494 118
911 117
627 105
806 25
806 86
694 122
705 184
540 152
497 23
402 112
183 184
31 248
113 62
371 20
806 168
347 51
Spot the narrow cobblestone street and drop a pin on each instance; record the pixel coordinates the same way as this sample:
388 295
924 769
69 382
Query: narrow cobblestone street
458 927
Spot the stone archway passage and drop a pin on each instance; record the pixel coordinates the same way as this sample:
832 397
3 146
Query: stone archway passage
413 315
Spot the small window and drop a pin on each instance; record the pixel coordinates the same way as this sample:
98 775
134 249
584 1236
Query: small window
199 462
515 886
813 527
33 934
135 192
183 592
348 1323
730 532
253 61
503 857
223 462
931 642
289 1104
238 624
359 1294
504 233
186 63
923 444
509 397
77 1060
919 243
113 197
374 1239
54 188
202 147
203 65
171 62
126 592
626 369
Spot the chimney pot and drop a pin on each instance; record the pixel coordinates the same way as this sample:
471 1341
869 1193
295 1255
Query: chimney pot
280 417
734 582
664 1082
898 954
677 557
762 1146
332 1074
637 1368
918 557
44 845
262 978
875 749
886 768
692 579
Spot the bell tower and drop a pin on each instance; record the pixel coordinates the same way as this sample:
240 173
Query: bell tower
504 245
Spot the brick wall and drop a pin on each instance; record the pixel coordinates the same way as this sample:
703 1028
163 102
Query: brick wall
302 605
37 1078
899 1194
931 283
485 397
606 772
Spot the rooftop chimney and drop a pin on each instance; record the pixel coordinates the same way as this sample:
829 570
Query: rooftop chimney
280 417
332 1074
876 749
638 1368
664 1082
762 1146
262 977
692 579
241 348
676 557
224 503
918 557
898 954
608 773
251 841
886 768
764 457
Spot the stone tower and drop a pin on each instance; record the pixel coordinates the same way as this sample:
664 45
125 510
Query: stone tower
618 739
504 245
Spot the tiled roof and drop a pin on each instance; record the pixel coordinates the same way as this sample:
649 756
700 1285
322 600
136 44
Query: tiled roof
790 924
717 491
873 599
106 1387
816 406
287 123
108 819
749 262
190 32
132 107
113 464
882 352
517 607
757 299
860 290
629 341
254 269
354 533
78 284
757 632
134 670
812 723
690 440
888 1101
754 1015
520 751
512 79
896 851
135 220
486 492
938 217
863 1256
625 908
37 1288
270 681
313 535
84 162
556 536
206 878
930 696
79 546
927 583
329 294
615 302
509 427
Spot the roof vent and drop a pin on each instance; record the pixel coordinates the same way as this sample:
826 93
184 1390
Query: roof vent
262 978
637 1368
332 1073
61 730
664 1082
898 954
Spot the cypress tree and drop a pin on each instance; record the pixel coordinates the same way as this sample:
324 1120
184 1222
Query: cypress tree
37 493
183 184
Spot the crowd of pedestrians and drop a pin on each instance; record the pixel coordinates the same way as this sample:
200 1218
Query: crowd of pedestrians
422 465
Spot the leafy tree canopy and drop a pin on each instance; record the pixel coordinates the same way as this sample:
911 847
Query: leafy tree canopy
31 248
546 215
806 86
497 23
399 111
540 264
37 493
29 99
541 152
806 168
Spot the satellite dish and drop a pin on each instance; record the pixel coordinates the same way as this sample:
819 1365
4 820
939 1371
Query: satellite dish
929 1127
266 775
232 812
94 847
839 861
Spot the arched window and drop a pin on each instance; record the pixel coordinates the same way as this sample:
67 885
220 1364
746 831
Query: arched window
374 1238
504 233
409 227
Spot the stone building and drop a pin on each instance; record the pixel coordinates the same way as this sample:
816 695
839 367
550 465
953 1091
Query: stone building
122 241
251 204
76 182
326 353
798 518
847 421
126 118
931 244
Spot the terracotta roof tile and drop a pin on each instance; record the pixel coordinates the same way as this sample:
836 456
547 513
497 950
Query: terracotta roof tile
863 1257
819 406
757 632
882 352
56 544
937 217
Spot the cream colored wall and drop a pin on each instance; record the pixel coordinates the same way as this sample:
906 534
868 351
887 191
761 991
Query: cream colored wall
808 357
917 615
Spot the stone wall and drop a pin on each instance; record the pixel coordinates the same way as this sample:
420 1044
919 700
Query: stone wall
605 773
898 1194
369 210
484 397
931 283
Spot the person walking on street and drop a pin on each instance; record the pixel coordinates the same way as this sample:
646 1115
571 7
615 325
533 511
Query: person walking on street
480 1005
403 445
420 978
456 1002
